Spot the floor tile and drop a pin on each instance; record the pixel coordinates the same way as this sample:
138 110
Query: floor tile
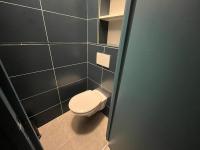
72 132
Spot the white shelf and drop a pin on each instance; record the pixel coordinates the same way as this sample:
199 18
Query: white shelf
111 17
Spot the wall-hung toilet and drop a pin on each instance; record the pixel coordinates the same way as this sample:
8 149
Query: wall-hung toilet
88 103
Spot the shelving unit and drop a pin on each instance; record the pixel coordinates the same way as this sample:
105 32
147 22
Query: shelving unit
111 17
111 14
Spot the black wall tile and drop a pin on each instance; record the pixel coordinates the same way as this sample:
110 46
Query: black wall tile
24 59
92 52
70 7
92 31
68 91
19 24
94 72
92 85
69 54
107 80
113 57
92 9
106 111
31 84
47 116
65 106
108 102
65 29
70 74
41 102
31 3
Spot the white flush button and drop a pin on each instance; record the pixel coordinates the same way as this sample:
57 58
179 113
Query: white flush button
103 59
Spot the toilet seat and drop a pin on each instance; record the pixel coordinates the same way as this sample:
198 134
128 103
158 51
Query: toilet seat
84 102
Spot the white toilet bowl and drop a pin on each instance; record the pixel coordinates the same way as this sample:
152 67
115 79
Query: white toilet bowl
88 103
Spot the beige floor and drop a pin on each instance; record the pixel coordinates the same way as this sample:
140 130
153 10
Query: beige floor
70 132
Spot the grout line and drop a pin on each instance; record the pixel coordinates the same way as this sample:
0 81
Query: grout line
17 97
66 100
51 56
99 7
97 31
61 102
103 45
94 65
51 89
102 70
105 146
70 42
53 12
98 21
108 70
101 67
70 65
60 146
38 43
94 81
19 5
72 82
38 94
10 44
87 40
101 76
104 49
99 85
92 18
43 111
54 105
29 73
46 70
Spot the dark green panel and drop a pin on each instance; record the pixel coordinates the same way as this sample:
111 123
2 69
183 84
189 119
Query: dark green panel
158 104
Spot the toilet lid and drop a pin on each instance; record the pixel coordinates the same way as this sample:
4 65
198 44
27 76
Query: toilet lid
84 102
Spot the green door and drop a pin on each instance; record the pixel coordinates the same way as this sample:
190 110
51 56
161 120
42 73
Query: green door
158 98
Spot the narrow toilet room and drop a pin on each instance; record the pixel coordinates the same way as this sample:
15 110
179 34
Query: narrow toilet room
60 57
100 74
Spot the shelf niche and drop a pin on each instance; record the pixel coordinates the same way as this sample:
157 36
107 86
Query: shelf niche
111 14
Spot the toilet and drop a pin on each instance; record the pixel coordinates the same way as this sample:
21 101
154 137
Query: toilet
88 102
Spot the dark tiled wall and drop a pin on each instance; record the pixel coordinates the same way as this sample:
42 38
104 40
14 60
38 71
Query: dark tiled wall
44 51
99 76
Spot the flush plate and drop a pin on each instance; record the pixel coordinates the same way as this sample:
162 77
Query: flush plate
103 59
